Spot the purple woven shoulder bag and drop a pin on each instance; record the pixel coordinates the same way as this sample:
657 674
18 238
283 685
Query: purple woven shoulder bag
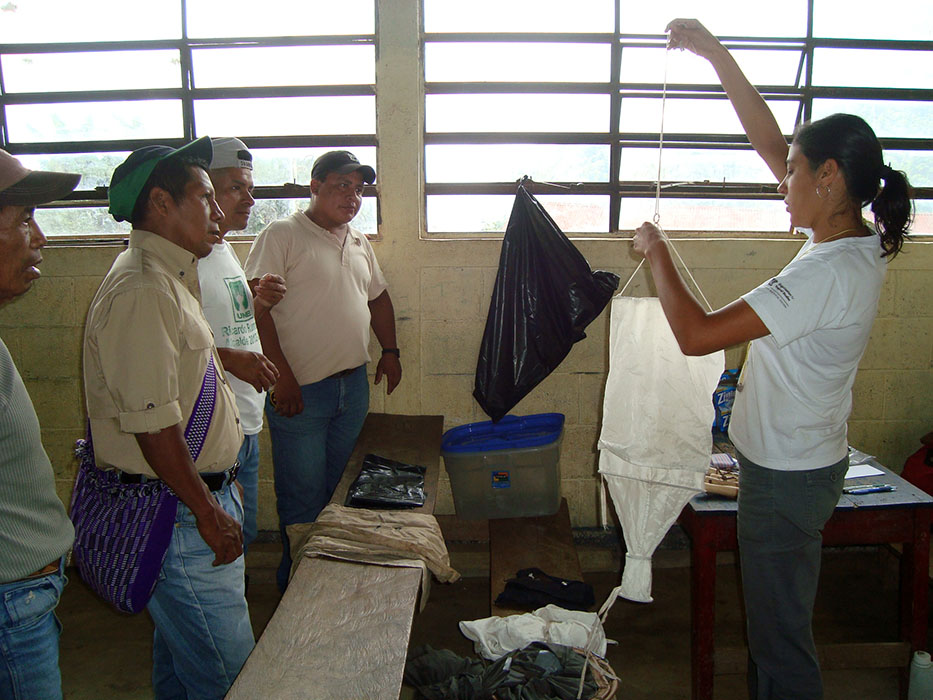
122 531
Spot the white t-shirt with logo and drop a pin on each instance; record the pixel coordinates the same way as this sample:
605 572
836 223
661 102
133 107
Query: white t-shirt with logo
797 391
228 308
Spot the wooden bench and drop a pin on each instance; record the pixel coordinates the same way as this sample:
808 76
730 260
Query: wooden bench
544 542
317 647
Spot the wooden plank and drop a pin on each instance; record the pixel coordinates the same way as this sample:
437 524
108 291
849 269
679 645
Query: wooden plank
340 631
734 660
544 542
456 529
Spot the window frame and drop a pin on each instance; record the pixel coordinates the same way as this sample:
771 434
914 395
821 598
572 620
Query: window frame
803 92
187 94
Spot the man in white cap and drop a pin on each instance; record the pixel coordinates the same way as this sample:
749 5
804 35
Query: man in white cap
35 532
231 310
318 337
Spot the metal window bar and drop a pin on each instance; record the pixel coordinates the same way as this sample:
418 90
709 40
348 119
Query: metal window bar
801 91
187 94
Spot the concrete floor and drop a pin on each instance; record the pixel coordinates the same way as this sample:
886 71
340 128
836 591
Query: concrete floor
105 654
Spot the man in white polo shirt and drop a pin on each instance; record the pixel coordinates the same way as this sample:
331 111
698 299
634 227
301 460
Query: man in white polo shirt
318 337
231 311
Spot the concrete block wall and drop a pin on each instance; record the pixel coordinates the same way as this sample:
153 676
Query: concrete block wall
441 291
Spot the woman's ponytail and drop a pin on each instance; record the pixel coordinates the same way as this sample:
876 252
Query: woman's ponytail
893 210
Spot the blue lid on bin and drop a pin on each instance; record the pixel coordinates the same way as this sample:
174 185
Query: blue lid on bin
510 433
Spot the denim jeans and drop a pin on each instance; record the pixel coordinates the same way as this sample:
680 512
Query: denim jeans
202 629
248 477
780 529
29 634
311 449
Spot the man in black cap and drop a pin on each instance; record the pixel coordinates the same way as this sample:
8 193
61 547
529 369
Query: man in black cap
149 358
318 338
35 532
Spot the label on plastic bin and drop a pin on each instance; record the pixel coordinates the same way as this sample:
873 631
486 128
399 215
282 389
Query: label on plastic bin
501 480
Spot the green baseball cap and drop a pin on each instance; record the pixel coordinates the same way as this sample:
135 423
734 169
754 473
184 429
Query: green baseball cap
131 176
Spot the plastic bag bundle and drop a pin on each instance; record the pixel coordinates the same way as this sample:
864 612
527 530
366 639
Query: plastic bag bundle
385 483
544 297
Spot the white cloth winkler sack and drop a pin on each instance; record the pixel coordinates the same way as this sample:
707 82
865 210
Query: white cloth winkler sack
656 435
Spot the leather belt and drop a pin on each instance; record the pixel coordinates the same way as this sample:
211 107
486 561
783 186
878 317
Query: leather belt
44 571
215 480
343 373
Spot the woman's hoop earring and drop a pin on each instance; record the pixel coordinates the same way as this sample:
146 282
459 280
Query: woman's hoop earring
820 194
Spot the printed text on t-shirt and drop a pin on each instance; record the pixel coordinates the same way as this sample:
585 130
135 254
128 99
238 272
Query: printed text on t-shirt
780 292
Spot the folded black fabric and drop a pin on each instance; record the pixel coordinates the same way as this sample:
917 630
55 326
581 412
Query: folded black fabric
538 672
532 588
385 483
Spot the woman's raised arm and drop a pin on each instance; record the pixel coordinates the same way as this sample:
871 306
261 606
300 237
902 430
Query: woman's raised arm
759 123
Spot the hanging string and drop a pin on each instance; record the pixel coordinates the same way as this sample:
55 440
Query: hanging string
657 189
657 195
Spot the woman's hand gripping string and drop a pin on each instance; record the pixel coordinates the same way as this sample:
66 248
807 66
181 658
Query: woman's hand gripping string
647 235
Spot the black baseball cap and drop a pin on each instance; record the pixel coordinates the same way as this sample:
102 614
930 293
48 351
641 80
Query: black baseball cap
341 162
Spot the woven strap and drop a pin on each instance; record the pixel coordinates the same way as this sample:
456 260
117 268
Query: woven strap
202 412
199 422
123 530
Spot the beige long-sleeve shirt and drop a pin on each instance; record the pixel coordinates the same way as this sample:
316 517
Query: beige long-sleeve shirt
146 348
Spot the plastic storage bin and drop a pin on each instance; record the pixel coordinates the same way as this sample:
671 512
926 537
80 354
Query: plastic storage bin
507 469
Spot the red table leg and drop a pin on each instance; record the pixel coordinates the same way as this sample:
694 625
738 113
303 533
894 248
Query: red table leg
914 589
702 601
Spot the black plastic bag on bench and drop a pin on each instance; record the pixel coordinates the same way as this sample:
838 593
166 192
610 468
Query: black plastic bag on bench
545 295
385 483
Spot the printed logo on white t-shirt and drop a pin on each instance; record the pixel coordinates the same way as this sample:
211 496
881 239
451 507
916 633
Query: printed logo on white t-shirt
239 298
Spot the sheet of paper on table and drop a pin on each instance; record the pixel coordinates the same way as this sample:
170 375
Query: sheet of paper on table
859 465
857 470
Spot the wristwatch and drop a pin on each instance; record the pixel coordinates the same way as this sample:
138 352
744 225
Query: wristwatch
392 351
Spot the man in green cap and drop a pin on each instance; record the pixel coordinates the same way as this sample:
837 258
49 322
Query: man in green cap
149 358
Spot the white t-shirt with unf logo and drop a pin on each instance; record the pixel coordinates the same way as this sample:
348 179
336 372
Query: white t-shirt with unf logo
228 307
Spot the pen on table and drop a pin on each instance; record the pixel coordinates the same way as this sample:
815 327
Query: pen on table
860 489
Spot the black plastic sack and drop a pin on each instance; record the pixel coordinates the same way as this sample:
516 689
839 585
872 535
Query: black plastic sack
385 483
545 295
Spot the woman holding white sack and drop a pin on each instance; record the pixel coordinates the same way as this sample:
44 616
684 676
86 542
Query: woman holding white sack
810 325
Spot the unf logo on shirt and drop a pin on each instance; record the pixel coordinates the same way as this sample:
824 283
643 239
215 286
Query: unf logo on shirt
239 296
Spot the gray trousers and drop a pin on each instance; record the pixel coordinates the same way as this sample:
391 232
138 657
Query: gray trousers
780 530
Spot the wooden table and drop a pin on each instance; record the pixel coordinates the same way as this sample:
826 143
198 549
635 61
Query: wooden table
544 542
902 516
342 628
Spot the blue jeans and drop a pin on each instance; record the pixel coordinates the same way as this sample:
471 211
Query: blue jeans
248 477
780 529
202 630
311 449
29 634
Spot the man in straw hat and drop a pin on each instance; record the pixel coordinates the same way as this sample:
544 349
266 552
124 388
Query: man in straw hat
35 532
